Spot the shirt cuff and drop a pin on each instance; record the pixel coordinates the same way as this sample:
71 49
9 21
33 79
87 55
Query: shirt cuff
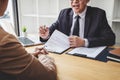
86 43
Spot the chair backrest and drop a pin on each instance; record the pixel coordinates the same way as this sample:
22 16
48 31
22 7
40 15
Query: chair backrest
7 26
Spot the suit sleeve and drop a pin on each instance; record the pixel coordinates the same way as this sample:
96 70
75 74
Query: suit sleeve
54 26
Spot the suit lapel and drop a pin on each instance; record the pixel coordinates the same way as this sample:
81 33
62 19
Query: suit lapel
87 22
70 22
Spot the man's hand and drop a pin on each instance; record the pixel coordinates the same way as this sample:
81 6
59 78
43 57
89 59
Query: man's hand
44 32
76 41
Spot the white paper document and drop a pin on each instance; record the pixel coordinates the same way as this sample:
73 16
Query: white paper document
88 52
58 42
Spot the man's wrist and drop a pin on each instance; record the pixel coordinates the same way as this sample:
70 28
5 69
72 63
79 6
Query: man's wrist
46 38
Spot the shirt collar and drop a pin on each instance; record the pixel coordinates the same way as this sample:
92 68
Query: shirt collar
82 15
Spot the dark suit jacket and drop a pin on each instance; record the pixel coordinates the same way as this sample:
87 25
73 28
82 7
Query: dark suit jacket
97 29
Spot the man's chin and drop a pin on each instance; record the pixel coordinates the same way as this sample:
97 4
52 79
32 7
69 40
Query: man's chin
76 11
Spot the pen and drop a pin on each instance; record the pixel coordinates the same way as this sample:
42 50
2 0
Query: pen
44 47
44 28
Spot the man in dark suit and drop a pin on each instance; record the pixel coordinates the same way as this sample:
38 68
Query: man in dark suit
93 29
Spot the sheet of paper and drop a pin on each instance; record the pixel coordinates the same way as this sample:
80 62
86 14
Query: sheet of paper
58 42
89 52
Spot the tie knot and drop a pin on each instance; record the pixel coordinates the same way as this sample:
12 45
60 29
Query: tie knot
77 17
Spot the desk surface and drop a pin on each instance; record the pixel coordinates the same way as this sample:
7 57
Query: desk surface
77 68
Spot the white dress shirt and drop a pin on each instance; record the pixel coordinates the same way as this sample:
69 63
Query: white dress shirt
82 25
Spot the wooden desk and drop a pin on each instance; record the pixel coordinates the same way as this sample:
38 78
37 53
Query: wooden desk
78 68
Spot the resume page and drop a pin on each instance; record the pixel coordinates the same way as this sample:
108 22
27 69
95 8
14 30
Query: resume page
58 42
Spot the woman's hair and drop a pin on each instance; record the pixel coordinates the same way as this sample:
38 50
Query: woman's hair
3 6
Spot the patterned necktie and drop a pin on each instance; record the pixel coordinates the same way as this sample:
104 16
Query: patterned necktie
76 26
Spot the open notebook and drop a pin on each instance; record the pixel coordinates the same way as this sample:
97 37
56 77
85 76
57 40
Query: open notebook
87 52
25 41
